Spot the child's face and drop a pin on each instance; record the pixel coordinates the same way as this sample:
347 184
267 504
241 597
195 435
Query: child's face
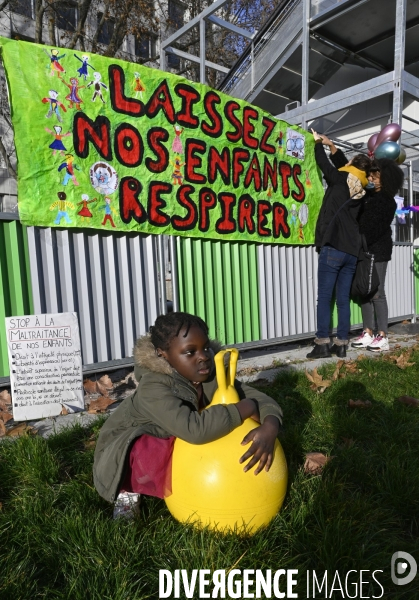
191 356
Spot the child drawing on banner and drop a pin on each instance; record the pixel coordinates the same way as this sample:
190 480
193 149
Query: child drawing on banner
55 66
54 103
295 144
308 181
138 86
280 142
303 217
83 71
294 214
269 191
62 204
69 169
74 87
57 145
84 212
177 173
108 211
177 147
103 178
98 84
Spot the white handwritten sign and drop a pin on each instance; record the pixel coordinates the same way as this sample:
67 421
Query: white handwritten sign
45 365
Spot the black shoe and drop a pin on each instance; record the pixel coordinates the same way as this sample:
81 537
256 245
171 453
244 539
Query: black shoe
320 351
340 351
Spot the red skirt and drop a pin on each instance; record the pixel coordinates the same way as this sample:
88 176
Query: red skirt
150 467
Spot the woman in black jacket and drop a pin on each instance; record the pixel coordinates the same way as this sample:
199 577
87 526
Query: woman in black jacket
338 240
375 218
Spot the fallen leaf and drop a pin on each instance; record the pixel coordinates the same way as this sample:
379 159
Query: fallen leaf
360 357
64 410
2 429
5 416
397 346
409 400
90 386
359 403
342 375
402 361
351 366
102 389
105 380
318 384
335 375
405 322
315 462
90 444
100 405
5 400
21 429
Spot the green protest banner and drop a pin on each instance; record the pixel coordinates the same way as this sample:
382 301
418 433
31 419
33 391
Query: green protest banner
109 144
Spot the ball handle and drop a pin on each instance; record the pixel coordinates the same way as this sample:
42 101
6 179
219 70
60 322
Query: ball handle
226 392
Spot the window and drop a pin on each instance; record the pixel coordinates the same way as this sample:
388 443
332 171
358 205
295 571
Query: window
105 34
22 7
173 61
176 14
66 17
145 47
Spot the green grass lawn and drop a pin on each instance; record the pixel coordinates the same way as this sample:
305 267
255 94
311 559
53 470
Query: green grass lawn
58 539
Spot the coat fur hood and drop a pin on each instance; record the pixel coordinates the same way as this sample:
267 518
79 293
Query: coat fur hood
145 356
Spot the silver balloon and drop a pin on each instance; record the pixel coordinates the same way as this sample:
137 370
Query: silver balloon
389 150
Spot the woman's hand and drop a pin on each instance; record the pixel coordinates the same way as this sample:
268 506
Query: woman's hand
316 135
324 140
263 443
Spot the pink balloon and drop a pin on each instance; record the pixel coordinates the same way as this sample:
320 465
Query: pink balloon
372 142
389 133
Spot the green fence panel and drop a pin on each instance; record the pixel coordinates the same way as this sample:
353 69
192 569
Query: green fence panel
219 282
15 287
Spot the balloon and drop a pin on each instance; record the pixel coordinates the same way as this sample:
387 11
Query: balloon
389 150
209 486
389 133
402 156
372 141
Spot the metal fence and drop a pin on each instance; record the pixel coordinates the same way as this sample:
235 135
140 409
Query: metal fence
110 280
288 290
15 283
248 294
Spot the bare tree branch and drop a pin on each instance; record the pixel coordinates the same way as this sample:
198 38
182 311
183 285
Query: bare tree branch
6 159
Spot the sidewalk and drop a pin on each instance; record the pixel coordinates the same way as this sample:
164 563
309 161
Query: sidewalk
261 365
265 364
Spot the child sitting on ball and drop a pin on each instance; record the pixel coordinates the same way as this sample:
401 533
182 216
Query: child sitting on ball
176 375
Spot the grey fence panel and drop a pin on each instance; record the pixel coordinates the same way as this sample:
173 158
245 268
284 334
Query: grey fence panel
110 280
399 282
288 289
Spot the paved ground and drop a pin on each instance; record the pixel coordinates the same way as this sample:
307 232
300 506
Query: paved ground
262 364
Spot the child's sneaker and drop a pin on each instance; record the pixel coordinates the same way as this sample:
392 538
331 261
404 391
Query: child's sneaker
379 344
126 505
362 341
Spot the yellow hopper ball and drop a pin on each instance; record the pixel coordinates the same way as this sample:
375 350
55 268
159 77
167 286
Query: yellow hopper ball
209 486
